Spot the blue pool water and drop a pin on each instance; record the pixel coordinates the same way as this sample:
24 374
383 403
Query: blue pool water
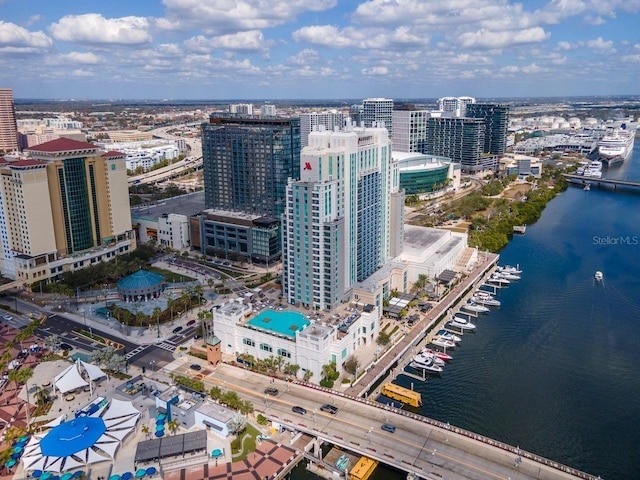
285 323
73 436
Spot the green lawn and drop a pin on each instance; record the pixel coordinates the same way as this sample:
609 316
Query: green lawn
170 276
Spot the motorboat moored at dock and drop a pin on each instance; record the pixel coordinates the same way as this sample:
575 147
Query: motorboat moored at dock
428 365
598 276
497 280
508 275
441 355
474 307
443 342
462 323
449 335
510 269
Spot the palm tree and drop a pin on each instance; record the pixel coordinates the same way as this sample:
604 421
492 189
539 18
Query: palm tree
156 313
145 429
307 375
22 376
173 425
42 396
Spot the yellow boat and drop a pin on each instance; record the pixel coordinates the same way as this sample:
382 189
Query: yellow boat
402 394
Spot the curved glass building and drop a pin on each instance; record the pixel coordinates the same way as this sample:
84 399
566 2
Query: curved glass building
421 174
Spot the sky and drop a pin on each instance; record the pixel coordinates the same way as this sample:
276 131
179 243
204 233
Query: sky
318 49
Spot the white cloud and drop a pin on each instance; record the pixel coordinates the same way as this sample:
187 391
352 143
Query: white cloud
487 39
87 58
94 28
82 73
16 39
304 57
564 45
224 17
600 45
332 37
510 69
533 68
380 70
34 19
250 41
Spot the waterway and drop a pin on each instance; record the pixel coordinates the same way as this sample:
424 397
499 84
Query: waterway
556 369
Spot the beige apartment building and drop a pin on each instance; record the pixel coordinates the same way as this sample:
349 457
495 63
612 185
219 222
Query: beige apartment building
63 208
8 128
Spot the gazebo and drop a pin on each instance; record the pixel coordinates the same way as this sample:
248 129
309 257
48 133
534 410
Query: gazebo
140 286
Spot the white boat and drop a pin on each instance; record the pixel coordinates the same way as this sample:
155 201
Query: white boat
508 275
427 357
429 365
510 269
498 280
587 187
462 323
474 307
617 146
598 276
449 335
488 301
443 342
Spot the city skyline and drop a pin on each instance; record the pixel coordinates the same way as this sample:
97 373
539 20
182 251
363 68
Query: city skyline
182 49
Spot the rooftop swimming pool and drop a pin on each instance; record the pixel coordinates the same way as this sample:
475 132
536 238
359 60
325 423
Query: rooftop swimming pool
286 322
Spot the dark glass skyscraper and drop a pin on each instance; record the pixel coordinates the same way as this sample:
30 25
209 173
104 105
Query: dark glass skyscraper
496 121
247 162
460 139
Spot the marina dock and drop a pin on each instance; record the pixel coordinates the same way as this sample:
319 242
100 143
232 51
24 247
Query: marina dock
437 315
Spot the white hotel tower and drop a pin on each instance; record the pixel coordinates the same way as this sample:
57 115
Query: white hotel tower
343 219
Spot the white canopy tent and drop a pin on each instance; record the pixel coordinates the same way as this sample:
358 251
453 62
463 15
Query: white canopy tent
72 377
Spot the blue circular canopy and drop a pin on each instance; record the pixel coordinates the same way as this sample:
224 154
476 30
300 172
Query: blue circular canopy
71 437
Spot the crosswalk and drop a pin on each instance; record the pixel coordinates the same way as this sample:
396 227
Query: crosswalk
165 345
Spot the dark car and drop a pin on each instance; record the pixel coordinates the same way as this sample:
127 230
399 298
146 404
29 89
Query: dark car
66 346
195 366
177 329
388 428
271 391
329 408
190 322
300 410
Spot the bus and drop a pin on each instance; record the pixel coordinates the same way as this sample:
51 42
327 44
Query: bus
401 394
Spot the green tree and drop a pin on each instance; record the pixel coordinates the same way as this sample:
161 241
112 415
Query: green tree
22 376
173 425
307 375
383 338
352 364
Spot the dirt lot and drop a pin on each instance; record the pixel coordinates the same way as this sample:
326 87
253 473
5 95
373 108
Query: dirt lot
511 192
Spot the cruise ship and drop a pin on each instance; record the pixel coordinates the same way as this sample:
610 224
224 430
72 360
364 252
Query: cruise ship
616 147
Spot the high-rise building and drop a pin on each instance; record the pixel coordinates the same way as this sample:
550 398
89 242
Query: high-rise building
496 122
378 112
247 162
341 216
8 127
241 108
455 106
409 129
460 139
314 121
63 208
268 110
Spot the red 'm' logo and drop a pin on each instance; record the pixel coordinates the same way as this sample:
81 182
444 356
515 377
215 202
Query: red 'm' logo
307 166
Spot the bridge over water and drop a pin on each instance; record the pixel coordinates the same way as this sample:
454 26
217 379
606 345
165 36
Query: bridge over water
582 180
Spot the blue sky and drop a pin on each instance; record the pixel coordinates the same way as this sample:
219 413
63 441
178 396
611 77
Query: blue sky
324 49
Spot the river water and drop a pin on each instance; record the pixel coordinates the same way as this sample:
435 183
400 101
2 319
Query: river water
556 370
